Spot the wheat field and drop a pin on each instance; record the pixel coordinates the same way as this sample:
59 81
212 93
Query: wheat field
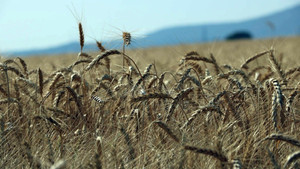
218 105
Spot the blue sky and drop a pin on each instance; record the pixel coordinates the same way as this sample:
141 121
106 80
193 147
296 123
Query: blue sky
30 24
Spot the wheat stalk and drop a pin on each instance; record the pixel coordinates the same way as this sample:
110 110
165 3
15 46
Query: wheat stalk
291 99
179 97
167 130
277 66
151 96
76 98
102 56
209 152
284 138
293 70
199 111
244 66
291 158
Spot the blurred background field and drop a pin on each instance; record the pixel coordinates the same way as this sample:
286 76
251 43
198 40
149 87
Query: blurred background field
167 58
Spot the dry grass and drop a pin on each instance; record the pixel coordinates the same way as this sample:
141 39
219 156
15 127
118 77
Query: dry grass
223 105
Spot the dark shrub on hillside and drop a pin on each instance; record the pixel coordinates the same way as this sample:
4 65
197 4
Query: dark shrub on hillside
239 35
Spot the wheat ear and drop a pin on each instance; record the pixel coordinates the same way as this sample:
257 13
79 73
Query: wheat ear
24 65
283 138
41 84
209 152
81 36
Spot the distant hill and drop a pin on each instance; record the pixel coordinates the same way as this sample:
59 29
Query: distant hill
284 23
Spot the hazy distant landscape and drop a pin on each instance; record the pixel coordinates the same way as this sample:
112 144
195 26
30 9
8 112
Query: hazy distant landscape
284 23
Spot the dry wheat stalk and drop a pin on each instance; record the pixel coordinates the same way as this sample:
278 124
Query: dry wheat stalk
232 109
290 100
197 112
281 137
57 98
75 97
195 81
179 97
195 66
198 58
9 100
17 91
267 76
152 82
98 155
216 99
108 78
131 154
291 158
55 80
75 78
273 160
102 85
80 62
277 66
12 69
236 83
27 82
255 70
107 60
161 81
167 130
236 72
274 109
151 96
145 75
244 66
102 56
293 70
3 91
181 81
191 53
10 61
33 162
206 80
85 55
209 152
216 66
